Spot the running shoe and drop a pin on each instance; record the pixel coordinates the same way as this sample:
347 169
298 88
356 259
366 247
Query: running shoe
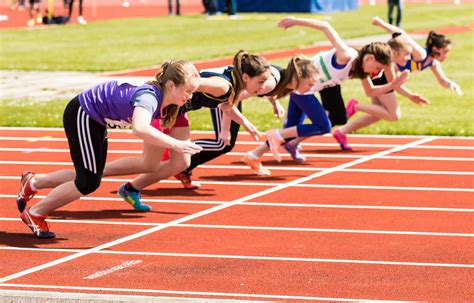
274 142
132 198
341 139
185 179
37 224
81 20
256 166
26 192
39 18
294 152
350 108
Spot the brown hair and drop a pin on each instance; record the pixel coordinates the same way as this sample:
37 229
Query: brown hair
180 72
380 50
298 68
245 63
436 40
398 43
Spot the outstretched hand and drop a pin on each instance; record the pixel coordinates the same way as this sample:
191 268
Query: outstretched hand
420 100
186 147
376 21
402 78
286 22
456 88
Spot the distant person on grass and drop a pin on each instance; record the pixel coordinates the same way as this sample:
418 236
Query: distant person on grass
69 5
35 13
170 8
336 65
407 56
391 5
86 118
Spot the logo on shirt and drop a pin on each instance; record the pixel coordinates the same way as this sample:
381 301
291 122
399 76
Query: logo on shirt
118 123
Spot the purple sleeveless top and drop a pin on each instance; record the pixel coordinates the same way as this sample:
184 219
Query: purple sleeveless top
112 103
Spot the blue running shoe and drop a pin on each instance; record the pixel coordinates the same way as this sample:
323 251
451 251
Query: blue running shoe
132 198
294 152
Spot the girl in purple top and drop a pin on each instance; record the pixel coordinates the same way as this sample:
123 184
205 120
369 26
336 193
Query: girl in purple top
86 118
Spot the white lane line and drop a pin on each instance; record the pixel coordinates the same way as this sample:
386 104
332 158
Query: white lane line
239 154
196 293
267 228
241 257
279 168
306 185
272 204
28 296
103 273
253 143
212 210
243 133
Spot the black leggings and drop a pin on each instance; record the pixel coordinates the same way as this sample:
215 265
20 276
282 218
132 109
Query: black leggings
391 5
71 2
213 148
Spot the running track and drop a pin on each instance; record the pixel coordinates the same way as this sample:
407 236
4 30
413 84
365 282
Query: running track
390 221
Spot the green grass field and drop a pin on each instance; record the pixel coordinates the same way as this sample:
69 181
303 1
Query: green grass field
121 44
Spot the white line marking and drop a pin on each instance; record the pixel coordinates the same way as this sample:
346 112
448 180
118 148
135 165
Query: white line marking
74 297
253 143
208 132
271 184
112 269
240 257
273 204
280 168
247 227
178 292
212 210
239 154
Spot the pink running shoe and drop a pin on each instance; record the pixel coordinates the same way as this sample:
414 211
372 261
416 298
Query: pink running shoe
26 192
341 139
274 142
350 108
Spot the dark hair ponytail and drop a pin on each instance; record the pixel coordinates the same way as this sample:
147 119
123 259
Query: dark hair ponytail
298 68
381 52
245 63
435 40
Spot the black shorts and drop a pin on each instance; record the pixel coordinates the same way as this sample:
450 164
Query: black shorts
87 143
381 80
333 103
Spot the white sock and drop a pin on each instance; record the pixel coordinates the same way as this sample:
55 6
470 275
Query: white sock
34 213
33 184
278 135
252 156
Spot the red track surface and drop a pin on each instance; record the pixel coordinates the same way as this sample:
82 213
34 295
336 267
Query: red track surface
397 226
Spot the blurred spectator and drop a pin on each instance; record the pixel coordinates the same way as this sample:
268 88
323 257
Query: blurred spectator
232 8
210 7
170 8
80 18
35 13
391 5
17 4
